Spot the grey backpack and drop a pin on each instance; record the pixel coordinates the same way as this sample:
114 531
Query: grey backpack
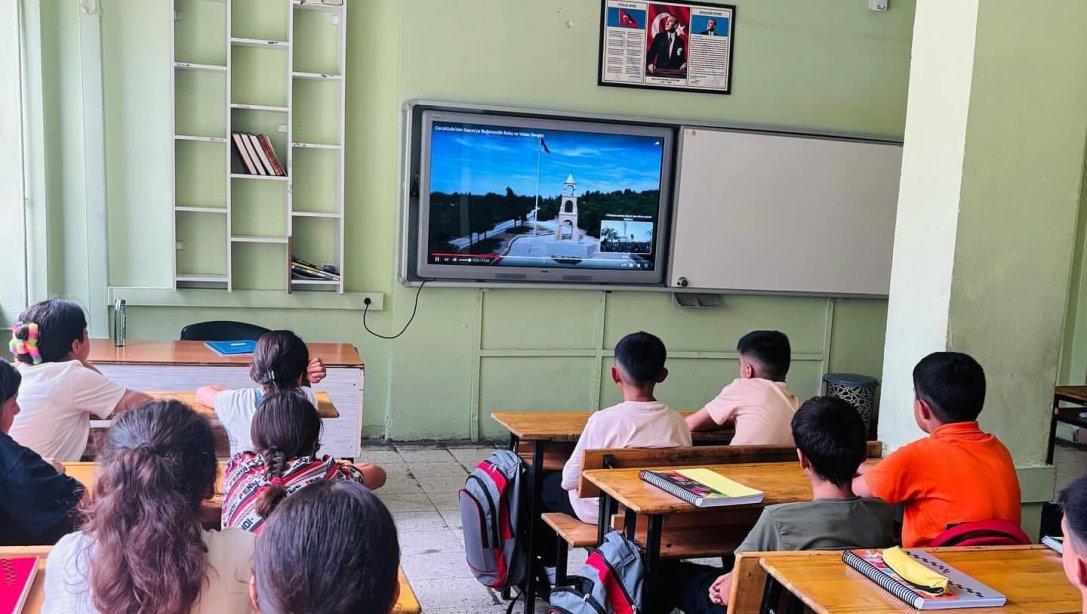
610 581
489 508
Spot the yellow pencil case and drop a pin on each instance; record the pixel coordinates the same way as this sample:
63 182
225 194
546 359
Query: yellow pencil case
914 572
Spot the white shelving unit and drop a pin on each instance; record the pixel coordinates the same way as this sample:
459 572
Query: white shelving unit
229 58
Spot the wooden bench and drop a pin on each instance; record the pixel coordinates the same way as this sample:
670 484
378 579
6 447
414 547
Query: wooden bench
684 536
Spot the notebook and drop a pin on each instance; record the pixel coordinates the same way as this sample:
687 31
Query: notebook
231 348
16 578
962 590
1054 543
702 487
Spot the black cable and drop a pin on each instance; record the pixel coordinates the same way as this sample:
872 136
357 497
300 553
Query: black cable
366 309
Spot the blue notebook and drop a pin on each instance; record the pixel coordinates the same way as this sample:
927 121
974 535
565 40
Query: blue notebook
231 348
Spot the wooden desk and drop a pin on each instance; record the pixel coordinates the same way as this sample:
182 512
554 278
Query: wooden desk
407 603
1031 576
188 365
1076 395
549 427
325 408
87 473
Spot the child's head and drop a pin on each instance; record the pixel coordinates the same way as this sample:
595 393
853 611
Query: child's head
764 354
157 466
50 331
1073 502
948 387
639 361
286 426
10 378
332 544
830 436
279 360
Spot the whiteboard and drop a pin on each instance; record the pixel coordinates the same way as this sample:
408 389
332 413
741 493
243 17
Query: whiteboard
764 212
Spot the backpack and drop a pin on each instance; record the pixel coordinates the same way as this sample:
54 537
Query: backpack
610 581
995 532
489 507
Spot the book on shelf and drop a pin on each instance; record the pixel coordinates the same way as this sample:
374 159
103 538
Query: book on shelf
961 590
231 348
262 157
1054 543
16 578
270 153
300 269
253 154
243 152
702 487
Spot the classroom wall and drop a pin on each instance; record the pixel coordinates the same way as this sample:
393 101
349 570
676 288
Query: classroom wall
823 65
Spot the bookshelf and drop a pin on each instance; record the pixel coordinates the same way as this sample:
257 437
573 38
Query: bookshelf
271 67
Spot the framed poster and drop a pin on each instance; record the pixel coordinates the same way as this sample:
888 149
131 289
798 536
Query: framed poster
685 46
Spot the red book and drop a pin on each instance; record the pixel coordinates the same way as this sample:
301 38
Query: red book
266 145
16 578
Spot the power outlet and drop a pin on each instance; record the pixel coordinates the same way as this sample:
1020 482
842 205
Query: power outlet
878 5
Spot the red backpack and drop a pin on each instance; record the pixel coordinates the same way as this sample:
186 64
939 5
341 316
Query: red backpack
982 533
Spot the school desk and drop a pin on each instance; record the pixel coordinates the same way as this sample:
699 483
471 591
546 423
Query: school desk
1030 576
780 483
549 427
325 408
1076 395
188 365
211 509
406 603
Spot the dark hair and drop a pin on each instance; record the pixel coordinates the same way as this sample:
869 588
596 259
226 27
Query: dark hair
60 322
285 426
953 385
831 433
279 359
158 464
331 547
1073 502
10 378
642 356
769 348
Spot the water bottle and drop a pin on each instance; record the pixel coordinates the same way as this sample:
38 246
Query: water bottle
119 323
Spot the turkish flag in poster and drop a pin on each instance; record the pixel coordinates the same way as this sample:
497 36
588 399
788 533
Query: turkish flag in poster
666 40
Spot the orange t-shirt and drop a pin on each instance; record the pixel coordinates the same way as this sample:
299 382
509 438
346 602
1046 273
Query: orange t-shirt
957 474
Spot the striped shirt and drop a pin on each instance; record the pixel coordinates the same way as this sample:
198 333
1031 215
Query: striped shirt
244 482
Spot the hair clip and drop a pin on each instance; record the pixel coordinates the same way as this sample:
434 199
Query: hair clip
28 346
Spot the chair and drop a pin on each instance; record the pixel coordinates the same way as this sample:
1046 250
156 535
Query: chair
222 330
982 533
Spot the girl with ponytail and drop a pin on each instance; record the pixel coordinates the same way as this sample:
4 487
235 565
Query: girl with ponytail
142 549
286 432
281 361
61 389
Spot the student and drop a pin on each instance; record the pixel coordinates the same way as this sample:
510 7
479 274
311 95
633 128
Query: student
142 548
640 421
280 361
830 441
285 432
958 473
356 567
1073 502
36 502
759 402
61 390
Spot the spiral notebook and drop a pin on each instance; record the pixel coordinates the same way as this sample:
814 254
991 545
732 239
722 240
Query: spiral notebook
962 590
702 487
16 578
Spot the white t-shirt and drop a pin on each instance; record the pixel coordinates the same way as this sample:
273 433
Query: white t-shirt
631 424
226 591
236 409
57 401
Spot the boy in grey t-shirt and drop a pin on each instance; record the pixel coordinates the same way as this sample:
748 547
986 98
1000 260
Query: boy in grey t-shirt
830 440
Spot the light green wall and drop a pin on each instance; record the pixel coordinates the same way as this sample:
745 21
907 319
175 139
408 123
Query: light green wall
823 65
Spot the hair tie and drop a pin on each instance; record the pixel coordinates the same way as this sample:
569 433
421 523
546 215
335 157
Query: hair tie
269 377
28 346
277 481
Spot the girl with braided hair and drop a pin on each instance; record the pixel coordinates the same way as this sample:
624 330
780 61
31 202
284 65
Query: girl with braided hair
286 432
142 549
281 361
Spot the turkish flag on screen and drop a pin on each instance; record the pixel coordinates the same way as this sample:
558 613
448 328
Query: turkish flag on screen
658 13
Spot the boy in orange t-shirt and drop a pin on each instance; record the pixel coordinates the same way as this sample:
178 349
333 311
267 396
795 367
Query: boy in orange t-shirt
958 473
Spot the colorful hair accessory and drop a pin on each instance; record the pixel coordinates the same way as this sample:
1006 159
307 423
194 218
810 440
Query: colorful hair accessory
276 481
28 346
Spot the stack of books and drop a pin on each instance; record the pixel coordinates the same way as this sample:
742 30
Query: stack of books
300 269
257 155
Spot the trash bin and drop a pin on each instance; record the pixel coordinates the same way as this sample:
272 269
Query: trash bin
858 390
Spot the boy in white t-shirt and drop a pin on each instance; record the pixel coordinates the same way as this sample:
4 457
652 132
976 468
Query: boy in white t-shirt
759 402
60 390
640 421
